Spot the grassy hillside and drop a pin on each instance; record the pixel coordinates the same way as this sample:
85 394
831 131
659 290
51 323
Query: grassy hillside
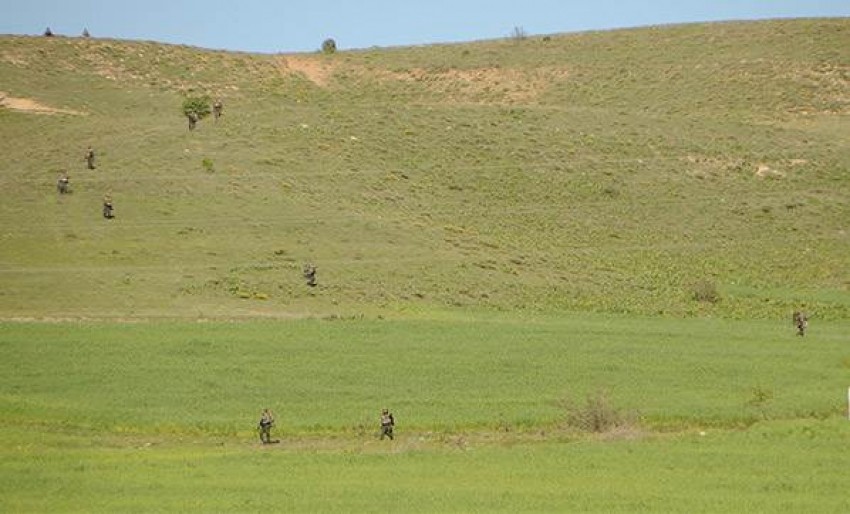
613 171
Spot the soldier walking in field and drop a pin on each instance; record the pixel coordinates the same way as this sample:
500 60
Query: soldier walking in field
387 424
193 120
310 274
108 210
265 426
63 185
801 321
218 107
89 158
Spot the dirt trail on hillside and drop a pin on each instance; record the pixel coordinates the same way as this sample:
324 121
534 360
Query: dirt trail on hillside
30 105
315 71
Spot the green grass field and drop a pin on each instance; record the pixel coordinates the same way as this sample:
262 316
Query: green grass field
496 370
785 467
503 230
727 415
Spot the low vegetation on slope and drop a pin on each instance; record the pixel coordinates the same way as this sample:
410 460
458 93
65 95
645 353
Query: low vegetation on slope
685 170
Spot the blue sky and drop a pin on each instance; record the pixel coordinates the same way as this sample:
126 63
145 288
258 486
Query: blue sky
301 25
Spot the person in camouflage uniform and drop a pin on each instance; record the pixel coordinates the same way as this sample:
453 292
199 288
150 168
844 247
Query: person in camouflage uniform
387 424
801 321
310 274
217 108
265 426
108 209
63 185
89 158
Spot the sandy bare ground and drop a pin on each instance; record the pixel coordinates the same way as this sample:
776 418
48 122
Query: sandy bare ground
518 85
30 105
312 68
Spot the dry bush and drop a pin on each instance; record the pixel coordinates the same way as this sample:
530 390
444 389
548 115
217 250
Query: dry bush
597 414
706 291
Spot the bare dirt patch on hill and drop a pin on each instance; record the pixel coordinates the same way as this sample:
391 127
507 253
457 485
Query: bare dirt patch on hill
501 85
32 106
313 69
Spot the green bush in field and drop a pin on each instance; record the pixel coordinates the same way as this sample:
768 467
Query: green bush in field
199 106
